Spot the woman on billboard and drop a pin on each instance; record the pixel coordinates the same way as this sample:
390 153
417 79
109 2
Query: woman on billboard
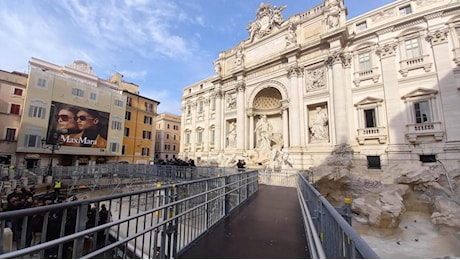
93 128
67 126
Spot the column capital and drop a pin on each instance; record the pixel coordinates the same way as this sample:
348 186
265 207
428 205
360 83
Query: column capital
438 36
339 57
294 70
387 50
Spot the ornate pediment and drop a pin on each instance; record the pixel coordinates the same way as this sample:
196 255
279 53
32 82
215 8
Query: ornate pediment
420 92
82 66
267 19
368 100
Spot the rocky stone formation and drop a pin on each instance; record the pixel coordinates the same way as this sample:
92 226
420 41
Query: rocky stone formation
380 203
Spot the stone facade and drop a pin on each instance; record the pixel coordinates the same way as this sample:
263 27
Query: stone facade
385 83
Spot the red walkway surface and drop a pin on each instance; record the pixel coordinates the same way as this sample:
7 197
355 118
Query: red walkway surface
269 226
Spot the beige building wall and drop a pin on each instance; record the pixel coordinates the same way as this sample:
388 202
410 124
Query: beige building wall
384 84
12 94
51 87
168 136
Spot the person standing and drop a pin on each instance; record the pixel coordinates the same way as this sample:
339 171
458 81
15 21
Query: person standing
240 165
57 187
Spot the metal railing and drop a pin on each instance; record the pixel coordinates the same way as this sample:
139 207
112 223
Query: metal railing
159 222
329 235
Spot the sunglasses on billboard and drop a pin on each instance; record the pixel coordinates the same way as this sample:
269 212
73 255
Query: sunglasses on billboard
64 118
83 118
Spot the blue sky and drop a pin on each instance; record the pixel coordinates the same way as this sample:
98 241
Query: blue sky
161 45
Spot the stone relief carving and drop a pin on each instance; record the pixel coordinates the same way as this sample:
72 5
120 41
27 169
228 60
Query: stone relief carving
316 79
231 100
267 18
82 66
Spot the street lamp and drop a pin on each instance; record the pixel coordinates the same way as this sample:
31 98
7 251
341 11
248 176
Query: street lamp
53 146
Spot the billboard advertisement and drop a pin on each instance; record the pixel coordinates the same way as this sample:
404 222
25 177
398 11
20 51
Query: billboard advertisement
77 126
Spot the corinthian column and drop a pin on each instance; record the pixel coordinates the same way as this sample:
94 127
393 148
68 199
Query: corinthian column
241 116
337 61
294 72
218 126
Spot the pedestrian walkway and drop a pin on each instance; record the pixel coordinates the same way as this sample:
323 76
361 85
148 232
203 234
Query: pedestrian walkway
269 227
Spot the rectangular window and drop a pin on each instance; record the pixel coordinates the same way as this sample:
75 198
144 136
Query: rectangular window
148 107
15 109
405 10
211 136
32 141
189 111
168 126
37 112
412 48
201 106
129 101
41 83
167 136
93 96
123 149
126 131
10 134
114 147
457 30
364 61
146 134
118 103
77 92
128 115
361 26
199 137
174 137
369 115
422 112
147 120
428 158
145 151
116 125
373 162
187 138
174 147
18 91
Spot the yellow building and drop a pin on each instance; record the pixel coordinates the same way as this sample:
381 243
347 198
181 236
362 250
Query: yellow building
139 131
12 93
167 144
70 114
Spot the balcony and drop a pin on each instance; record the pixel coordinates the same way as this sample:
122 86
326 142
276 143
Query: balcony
366 75
424 129
421 62
372 133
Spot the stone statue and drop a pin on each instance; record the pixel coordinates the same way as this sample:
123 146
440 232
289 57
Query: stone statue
286 160
217 67
291 37
239 56
231 135
253 27
332 12
319 129
263 131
